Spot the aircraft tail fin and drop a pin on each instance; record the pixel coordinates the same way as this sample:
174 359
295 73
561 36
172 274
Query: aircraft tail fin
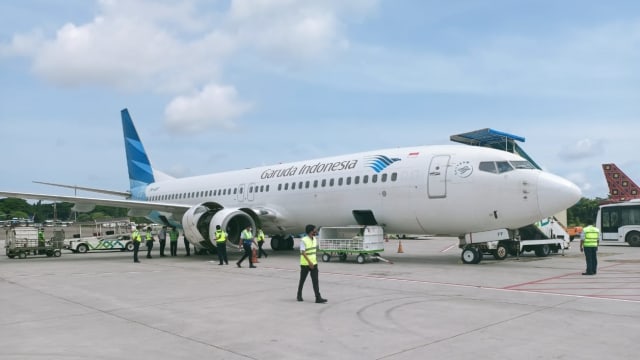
140 170
621 187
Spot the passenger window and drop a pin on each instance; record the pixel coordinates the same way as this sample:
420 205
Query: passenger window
279 187
356 180
383 178
331 182
250 189
394 176
374 178
266 188
235 191
324 182
339 181
348 180
286 186
306 184
365 179
315 183
300 185
293 186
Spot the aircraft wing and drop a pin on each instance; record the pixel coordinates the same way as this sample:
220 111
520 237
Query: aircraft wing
86 203
125 194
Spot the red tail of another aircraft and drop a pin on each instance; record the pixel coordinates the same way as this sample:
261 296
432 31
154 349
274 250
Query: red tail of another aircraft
621 187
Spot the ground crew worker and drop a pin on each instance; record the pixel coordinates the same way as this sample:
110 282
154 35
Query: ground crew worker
149 238
247 240
187 244
135 236
309 263
41 241
173 241
162 238
260 237
589 241
221 245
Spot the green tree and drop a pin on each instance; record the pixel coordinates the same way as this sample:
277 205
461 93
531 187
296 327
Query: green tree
583 212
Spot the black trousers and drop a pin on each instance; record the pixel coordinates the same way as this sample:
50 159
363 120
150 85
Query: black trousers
173 248
222 252
304 271
163 243
187 246
136 247
149 247
591 255
247 253
260 251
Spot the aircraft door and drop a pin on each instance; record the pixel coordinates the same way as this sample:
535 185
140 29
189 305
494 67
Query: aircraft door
437 176
242 192
250 190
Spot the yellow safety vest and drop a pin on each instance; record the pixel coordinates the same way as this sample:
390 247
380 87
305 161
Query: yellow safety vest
247 235
591 235
260 235
149 236
310 247
221 236
135 235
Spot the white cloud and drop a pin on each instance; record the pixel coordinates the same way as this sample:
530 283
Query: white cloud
176 46
214 105
584 148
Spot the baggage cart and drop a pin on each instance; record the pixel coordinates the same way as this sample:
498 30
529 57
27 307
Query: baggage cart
23 241
365 241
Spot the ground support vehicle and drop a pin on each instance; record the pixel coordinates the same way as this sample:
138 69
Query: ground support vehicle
543 238
107 235
367 242
23 241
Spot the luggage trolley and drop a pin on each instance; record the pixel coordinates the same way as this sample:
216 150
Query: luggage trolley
366 241
23 241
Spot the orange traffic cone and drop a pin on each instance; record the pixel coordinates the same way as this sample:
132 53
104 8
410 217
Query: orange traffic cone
254 256
400 251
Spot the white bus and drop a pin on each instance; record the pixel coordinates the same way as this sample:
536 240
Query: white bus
620 223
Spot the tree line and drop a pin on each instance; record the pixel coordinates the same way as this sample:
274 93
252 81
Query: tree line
579 214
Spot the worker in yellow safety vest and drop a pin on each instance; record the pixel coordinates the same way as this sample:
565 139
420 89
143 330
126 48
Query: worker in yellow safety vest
589 241
221 245
309 263
149 238
136 238
260 237
247 239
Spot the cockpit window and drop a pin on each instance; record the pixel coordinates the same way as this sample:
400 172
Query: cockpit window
503 166
488 166
522 165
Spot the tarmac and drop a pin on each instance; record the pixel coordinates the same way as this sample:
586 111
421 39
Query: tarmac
426 304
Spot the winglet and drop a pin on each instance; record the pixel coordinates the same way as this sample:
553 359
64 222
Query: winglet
621 187
140 171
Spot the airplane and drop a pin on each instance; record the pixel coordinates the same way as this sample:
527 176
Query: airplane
437 189
621 187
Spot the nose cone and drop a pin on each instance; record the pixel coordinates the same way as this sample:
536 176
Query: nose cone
556 194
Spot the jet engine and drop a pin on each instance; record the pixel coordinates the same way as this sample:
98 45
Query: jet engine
199 224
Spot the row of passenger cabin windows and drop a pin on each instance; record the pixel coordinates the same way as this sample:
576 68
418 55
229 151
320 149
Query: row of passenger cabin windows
338 182
365 179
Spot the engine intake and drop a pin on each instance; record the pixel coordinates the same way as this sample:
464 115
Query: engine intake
199 224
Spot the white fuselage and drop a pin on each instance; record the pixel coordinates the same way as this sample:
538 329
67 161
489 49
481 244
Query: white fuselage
427 189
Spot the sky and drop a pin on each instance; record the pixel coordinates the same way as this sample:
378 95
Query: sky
226 85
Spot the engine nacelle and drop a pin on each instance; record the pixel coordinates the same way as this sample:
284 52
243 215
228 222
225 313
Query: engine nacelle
199 223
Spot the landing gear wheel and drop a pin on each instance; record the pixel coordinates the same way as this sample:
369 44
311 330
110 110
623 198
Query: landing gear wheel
342 256
276 242
543 250
470 255
360 259
326 257
501 252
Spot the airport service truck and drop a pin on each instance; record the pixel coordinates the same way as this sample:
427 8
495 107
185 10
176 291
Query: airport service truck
543 238
107 235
